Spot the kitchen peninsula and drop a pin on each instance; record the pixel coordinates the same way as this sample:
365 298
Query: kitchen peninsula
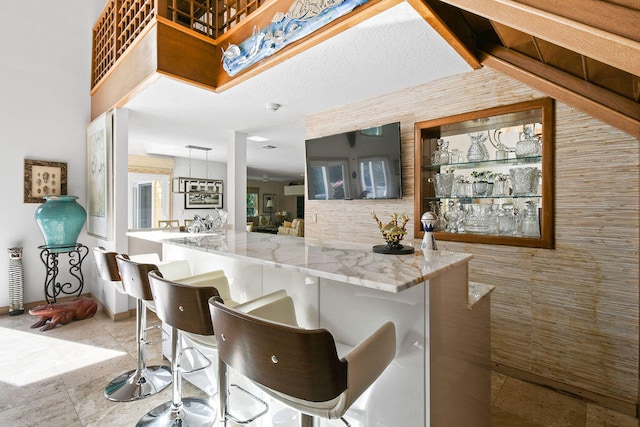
440 375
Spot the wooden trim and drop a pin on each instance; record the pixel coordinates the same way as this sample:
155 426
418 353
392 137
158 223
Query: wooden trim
437 21
360 14
605 16
600 103
132 72
612 49
547 233
181 53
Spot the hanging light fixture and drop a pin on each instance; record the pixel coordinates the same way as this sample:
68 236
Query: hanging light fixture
191 184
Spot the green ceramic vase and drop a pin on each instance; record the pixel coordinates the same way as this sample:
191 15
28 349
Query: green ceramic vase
60 219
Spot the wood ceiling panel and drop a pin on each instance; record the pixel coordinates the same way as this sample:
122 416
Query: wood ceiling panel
610 78
601 88
611 48
511 37
561 58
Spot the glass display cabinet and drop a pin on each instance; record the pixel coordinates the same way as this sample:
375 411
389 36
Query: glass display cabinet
488 175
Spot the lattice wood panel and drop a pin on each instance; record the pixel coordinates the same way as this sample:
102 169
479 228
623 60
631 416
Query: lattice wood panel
235 11
104 55
133 16
210 17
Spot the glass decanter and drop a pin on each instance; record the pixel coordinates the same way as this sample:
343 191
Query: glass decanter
477 150
451 216
530 225
441 156
507 219
529 143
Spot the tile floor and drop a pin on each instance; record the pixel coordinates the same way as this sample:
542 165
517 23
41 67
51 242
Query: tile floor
56 378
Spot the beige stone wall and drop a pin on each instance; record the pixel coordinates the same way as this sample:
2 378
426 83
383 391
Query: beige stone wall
568 315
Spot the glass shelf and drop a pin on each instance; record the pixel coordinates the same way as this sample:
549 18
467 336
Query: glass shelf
502 130
482 197
485 163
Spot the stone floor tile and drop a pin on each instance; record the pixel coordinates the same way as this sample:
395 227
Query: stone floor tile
597 416
538 405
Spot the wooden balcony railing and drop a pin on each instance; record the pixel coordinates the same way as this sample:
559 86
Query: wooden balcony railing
122 21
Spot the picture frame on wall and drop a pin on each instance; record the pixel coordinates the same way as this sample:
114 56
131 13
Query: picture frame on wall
203 194
100 177
44 178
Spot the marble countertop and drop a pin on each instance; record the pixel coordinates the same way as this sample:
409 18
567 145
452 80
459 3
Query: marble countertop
353 263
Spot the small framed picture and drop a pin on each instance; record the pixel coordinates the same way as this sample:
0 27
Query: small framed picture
203 194
202 201
43 178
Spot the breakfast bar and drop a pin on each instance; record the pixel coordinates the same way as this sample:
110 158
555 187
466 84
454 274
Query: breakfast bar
440 375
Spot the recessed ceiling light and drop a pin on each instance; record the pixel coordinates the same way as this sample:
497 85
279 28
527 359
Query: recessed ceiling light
257 138
268 147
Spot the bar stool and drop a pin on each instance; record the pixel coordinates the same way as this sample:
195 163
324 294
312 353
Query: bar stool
144 381
184 307
296 366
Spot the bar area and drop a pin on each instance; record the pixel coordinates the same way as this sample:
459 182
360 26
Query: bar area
441 321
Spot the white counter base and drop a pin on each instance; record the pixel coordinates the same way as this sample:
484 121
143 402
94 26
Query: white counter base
440 375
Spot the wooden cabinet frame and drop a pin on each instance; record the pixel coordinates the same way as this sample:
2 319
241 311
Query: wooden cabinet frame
431 129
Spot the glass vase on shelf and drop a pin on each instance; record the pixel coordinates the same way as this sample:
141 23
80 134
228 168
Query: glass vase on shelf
477 151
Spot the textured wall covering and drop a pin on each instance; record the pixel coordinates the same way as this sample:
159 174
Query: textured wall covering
568 315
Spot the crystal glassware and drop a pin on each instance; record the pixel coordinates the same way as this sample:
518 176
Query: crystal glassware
443 184
529 143
477 151
525 181
441 155
530 225
507 219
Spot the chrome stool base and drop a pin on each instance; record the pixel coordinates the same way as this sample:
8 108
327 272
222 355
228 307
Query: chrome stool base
138 384
194 413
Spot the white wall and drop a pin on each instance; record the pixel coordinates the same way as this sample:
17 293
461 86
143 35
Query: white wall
44 110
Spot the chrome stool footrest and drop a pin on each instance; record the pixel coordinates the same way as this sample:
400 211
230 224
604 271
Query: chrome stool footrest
165 335
200 358
262 403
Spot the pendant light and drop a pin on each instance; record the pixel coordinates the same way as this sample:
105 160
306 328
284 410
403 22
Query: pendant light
191 184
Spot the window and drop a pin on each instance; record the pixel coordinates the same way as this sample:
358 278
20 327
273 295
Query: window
252 202
327 180
374 178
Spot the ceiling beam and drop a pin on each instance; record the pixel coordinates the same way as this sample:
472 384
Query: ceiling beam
609 17
613 49
445 20
611 108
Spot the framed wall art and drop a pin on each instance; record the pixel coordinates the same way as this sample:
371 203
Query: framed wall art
43 178
202 193
100 178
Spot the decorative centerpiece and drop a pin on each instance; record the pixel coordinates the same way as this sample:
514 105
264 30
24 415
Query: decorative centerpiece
60 219
393 232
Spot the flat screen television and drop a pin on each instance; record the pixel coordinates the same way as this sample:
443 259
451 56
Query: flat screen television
360 164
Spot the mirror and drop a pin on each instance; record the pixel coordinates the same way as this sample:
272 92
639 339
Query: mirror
488 175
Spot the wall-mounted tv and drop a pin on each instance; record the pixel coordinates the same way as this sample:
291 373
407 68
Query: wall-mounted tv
360 164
